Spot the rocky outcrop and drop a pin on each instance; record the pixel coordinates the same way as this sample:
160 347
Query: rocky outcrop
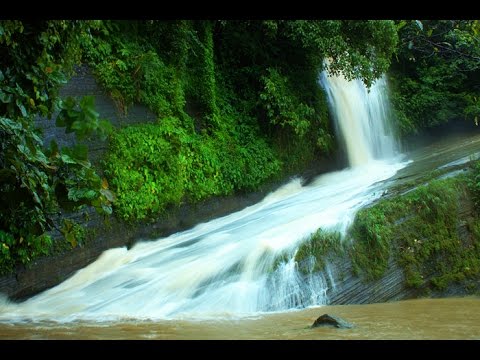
332 321
347 288
351 289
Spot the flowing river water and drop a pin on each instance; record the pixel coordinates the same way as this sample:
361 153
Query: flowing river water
218 280
453 318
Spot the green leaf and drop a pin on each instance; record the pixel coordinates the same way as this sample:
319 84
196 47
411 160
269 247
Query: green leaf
21 107
108 194
419 24
67 159
43 109
80 152
70 237
90 194
36 198
5 97
105 126
107 209
401 24
81 194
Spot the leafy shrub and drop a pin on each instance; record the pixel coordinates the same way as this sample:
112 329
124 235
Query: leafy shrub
152 166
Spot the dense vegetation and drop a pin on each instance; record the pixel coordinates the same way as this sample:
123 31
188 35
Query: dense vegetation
237 104
435 73
321 246
35 180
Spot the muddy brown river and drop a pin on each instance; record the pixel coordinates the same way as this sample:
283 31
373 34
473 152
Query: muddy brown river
452 318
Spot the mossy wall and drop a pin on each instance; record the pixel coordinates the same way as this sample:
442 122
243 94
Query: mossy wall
425 241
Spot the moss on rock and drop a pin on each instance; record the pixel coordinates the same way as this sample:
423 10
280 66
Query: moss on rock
432 232
312 255
420 230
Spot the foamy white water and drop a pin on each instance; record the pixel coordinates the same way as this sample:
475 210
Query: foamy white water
219 268
362 117
223 268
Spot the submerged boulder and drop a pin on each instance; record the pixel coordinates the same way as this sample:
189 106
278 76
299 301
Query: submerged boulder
332 320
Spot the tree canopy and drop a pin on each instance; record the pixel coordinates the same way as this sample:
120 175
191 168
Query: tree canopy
436 73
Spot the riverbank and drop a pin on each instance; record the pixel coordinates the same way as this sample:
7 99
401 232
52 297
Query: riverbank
420 319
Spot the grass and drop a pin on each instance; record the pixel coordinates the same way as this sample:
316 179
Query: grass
313 253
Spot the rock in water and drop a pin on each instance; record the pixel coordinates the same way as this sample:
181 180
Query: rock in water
331 320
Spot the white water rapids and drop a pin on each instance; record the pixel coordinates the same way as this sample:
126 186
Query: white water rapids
224 268
362 118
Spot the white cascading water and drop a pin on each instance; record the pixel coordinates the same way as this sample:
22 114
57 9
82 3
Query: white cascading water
224 268
362 118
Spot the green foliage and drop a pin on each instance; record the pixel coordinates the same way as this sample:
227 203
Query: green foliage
358 49
419 230
152 166
474 183
131 70
429 243
77 184
281 107
370 250
25 192
21 250
311 256
74 233
111 61
85 121
145 169
201 87
36 58
433 75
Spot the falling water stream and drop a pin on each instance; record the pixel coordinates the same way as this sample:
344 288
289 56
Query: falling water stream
362 118
224 269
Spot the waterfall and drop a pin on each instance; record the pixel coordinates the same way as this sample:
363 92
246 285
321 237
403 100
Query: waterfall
228 266
362 118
